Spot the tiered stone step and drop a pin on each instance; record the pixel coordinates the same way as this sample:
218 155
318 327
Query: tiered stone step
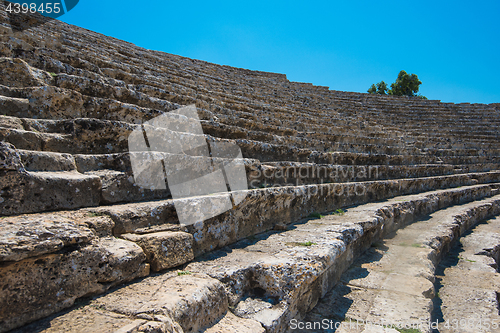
468 282
181 70
88 106
117 177
112 109
392 284
268 279
87 136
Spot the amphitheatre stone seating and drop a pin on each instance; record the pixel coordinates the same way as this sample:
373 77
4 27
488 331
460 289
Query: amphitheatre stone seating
353 200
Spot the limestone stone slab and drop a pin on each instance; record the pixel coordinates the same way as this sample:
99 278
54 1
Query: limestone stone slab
165 249
34 288
47 161
195 301
91 319
118 186
11 122
33 192
10 158
392 281
17 73
234 324
27 236
401 309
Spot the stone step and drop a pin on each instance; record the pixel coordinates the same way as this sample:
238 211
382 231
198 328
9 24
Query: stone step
256 278
67 104
171 302
117 184
33 160
258 175
73 136
290 203
226 79
277 277
392 284
84 78
320 144
30 192
468 282
87 84
114 110
49 260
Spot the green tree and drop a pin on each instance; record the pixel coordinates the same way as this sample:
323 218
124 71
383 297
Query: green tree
373 89
405 85
380 88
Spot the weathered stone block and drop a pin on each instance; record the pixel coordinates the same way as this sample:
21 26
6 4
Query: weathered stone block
10 158
47 161
195 301
17 73
31 192
234 324
165 249
90 319
37 287
28 236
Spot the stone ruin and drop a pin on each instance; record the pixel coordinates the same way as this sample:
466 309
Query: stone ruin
354 206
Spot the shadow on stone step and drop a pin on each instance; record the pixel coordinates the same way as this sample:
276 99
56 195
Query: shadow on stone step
450 260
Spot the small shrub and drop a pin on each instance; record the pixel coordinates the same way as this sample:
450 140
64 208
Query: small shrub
316 215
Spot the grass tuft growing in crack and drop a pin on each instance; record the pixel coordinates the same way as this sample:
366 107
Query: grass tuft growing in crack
94 214
308 243
316 215
408 330
339 212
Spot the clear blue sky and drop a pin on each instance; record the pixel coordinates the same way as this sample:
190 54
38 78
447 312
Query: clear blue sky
453 46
